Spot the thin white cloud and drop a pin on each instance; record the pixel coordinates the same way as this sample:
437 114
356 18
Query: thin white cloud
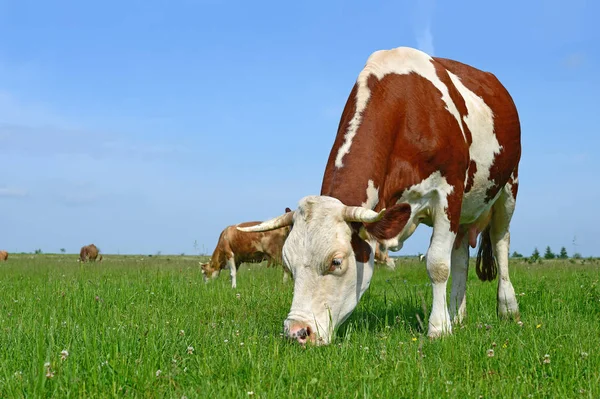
33 129
79 199
17 112
52 141
12 192
422 26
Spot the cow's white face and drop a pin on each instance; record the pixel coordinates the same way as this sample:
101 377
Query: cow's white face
328 279
331 264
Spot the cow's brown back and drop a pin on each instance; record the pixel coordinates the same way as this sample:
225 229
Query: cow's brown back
406 134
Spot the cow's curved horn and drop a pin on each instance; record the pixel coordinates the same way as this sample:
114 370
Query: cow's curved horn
361 214
280 221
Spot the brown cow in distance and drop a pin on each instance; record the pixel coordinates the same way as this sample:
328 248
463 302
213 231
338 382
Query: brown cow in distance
235 248
89 253
3 255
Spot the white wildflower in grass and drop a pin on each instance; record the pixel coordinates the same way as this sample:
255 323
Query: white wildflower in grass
250 393
225 340
158 373
584 355
181 332
546 359
241 344
238 296
49 372
520 323
190 350
64 354
490 353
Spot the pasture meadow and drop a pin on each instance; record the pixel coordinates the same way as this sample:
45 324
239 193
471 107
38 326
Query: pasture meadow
149 327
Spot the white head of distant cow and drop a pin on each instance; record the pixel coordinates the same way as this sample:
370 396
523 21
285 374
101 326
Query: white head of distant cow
331 265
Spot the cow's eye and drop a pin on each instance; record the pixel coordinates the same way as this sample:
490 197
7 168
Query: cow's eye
336 265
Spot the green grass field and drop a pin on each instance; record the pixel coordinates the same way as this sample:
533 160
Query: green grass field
152 328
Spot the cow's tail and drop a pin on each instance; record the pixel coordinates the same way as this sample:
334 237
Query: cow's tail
486 266
100 258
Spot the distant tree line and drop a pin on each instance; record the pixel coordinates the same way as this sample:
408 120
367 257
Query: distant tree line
536 257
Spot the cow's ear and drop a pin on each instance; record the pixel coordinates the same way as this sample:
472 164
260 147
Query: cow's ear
361 248
287 210
392 223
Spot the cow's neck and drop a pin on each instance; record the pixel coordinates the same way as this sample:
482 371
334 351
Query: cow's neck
358 161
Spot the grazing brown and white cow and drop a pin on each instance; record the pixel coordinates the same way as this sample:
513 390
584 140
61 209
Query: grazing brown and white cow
235 248
3 256
421 140
382 256
89 253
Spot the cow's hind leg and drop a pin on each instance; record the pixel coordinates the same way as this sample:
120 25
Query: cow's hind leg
503 210
460 270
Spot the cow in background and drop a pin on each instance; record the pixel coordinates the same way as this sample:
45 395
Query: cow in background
3 256
89 253
382 256
235 248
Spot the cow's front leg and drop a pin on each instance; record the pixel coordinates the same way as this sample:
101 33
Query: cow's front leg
460 270
438 268
286 275
232 272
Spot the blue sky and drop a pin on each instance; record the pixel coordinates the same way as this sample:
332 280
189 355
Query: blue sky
146 126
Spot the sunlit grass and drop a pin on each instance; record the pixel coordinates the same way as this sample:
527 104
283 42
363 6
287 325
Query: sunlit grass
152 328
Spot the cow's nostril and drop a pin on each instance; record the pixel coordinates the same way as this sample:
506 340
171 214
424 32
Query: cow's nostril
302 333
299 332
